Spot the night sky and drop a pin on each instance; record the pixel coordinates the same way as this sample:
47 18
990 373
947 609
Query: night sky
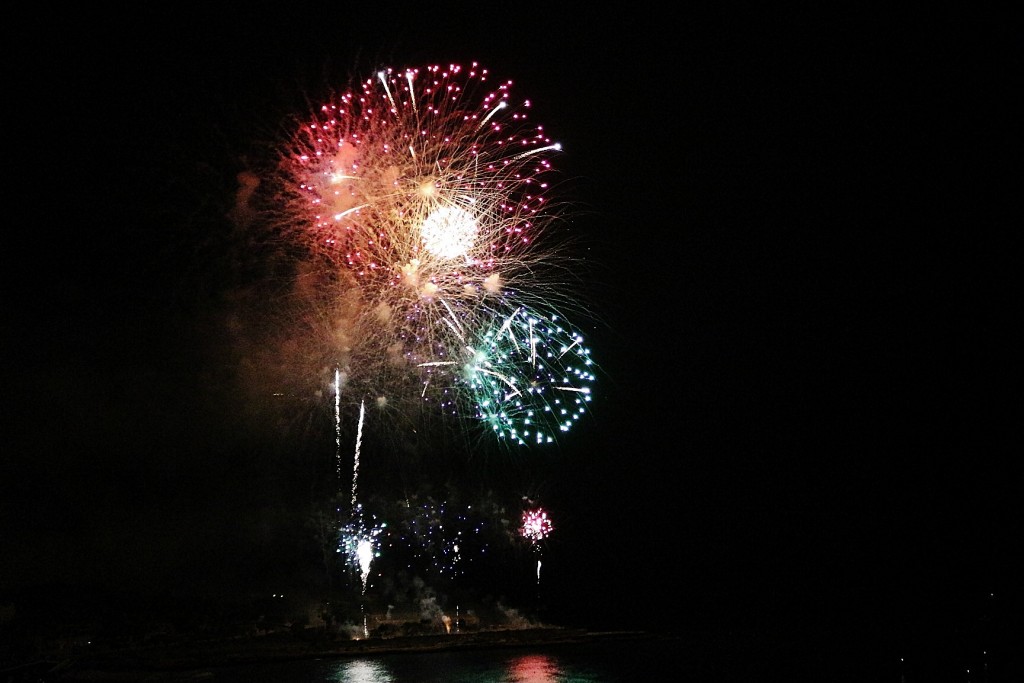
796 231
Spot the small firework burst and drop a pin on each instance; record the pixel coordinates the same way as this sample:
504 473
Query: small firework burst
536 525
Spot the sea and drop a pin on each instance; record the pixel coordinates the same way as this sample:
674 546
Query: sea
652 659
683 658
824 656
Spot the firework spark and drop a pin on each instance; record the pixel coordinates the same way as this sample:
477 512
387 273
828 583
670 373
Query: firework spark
442 538
359 542
528 376
536 525
535 528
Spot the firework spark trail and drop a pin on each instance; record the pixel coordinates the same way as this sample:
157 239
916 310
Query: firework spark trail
337 422
359 445
364 551
357 539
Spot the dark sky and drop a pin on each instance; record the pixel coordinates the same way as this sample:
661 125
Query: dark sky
799 232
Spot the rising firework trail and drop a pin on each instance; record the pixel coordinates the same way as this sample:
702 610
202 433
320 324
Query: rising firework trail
357 538
355 459
337 423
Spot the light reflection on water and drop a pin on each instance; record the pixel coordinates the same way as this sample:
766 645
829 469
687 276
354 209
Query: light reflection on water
527 668
534 669
363 671
596 662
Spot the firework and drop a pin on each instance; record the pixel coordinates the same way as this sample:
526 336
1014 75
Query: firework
426 180
535 528
439 537
536 525
430 186
358 541
432 272
529 376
